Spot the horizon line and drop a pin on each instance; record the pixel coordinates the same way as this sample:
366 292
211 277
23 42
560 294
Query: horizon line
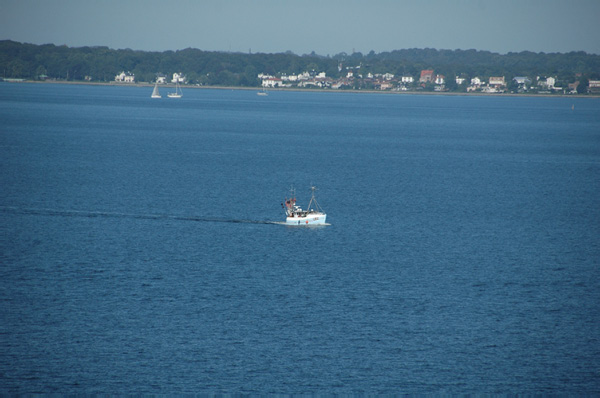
312 53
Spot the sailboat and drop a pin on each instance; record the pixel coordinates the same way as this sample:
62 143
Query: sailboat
177 93
155 93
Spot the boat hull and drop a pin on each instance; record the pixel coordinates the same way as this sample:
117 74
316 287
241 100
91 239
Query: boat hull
310 219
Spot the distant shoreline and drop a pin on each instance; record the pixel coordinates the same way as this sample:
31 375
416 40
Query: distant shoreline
475 94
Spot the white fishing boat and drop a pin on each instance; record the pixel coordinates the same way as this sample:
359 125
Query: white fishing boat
155 93
263 93
295 215
177 93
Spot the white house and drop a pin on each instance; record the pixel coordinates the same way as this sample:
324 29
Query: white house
290 78
388 76
522 80
178 78
125 77
489 89
439 79
317 82
408 79
460 80
594 84
497 81
161 79
548 82
476 81
272 82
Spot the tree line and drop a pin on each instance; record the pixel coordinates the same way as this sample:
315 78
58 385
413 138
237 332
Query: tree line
101 64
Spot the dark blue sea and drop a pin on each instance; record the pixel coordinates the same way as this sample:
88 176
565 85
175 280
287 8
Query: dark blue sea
138 252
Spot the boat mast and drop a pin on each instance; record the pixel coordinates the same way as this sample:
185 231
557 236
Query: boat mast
292 198
313 199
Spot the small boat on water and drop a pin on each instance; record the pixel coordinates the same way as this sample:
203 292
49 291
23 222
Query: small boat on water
263 93
295 215
177 93
155 93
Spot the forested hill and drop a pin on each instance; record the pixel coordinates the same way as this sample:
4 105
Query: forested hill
28 61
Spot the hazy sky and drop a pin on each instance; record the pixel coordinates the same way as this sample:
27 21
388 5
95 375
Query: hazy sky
326 27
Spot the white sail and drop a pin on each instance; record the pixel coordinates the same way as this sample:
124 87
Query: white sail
155 93
177 93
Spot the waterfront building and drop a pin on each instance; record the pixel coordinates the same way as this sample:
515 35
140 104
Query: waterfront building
125 77
426 76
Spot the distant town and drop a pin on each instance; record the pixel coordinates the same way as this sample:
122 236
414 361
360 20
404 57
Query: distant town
389 82
427 79
408 70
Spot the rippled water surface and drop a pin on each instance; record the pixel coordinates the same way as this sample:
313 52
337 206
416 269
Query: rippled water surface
139 250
